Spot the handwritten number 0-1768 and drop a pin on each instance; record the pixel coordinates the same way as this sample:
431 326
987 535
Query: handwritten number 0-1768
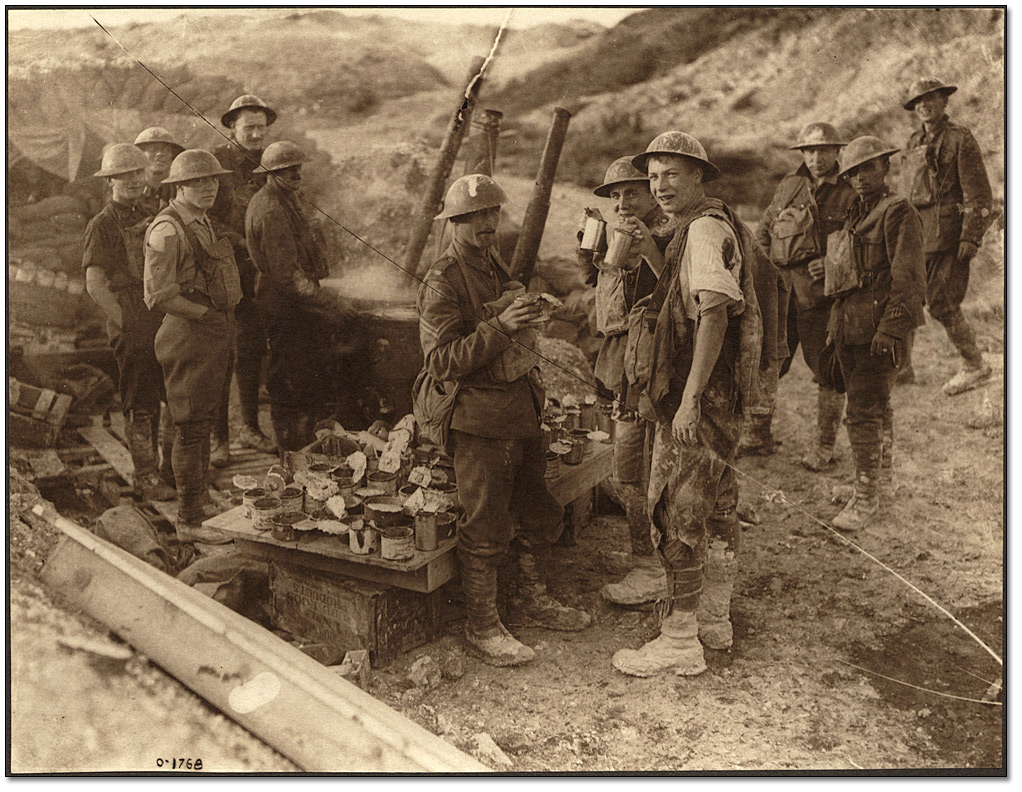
179 764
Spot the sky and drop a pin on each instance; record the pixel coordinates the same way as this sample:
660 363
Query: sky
72 16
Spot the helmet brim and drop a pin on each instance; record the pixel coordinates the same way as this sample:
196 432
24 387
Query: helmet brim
445 216
603 191
228 118
710 171
947 90
803 146
221 172
878 155
107 174
178 148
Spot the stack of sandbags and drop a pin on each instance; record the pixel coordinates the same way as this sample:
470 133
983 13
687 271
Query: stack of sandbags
49 233
565 371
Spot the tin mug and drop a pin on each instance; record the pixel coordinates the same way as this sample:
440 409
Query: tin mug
592 234
617 250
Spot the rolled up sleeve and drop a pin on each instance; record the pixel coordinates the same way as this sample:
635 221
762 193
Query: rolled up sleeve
160 281
712 264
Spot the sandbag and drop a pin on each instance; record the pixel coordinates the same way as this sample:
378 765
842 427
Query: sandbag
129 529
237 581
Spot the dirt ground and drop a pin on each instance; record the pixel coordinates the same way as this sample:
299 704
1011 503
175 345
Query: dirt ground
827 642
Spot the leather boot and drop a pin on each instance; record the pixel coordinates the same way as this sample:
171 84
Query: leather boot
190 449
533 606
219 451
976 371
138 431
646 582
246 373
907 374
865 500
757 438
677 648
485 637
714 613
829 406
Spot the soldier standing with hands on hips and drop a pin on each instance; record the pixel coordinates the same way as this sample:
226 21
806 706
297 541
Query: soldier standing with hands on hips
190 275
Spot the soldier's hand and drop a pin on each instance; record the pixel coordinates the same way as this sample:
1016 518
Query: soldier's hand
816 268
966 250
639 232
884 344
520 313
686 421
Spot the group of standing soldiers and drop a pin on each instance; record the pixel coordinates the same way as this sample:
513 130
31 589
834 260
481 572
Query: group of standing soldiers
699 321
201 261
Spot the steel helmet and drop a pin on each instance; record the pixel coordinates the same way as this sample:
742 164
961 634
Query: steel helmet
818 133
863 149
471 193
282 154
681 144
248 102
620 171
122 158
194 164
924 86
158 135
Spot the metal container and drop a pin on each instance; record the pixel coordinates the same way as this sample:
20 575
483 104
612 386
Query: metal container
450 495
283 525
582 436
587 416
385 510
446 525
553 464
263 512
574 456
604 422
383 481
397 542
362 538
426 537
572 418
592 234
248 497
617 249
292 499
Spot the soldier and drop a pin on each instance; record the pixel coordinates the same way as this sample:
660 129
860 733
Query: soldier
703 363
113 264
808 204
944 177
618 288
495 432
300 315
878 276
160 148
190 275
247 119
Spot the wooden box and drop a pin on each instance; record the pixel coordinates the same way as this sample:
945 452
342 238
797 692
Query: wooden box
36 414
351 614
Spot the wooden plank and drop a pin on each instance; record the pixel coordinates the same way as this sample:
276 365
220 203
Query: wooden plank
425 571
574 481
310 714
109 448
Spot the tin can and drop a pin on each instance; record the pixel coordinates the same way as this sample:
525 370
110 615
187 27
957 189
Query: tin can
587 416
574 456
617 249
593 233
582 436
383 481
425 531
397 543
553 464
248 497
572 417
263 512
446 525
450 495
283 525
362 538
292 499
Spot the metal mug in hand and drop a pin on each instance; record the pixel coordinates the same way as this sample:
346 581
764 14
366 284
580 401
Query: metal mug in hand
617 250
592 234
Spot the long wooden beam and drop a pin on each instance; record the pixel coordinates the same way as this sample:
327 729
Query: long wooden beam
320 721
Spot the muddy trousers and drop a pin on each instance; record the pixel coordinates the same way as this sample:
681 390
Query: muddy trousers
629 478
191 461
869 416
504 497
249 350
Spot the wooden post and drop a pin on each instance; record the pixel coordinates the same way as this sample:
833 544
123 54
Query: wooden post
482 144
523 262
430 206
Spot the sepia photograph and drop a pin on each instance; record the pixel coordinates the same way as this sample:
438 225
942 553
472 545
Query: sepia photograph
506 391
